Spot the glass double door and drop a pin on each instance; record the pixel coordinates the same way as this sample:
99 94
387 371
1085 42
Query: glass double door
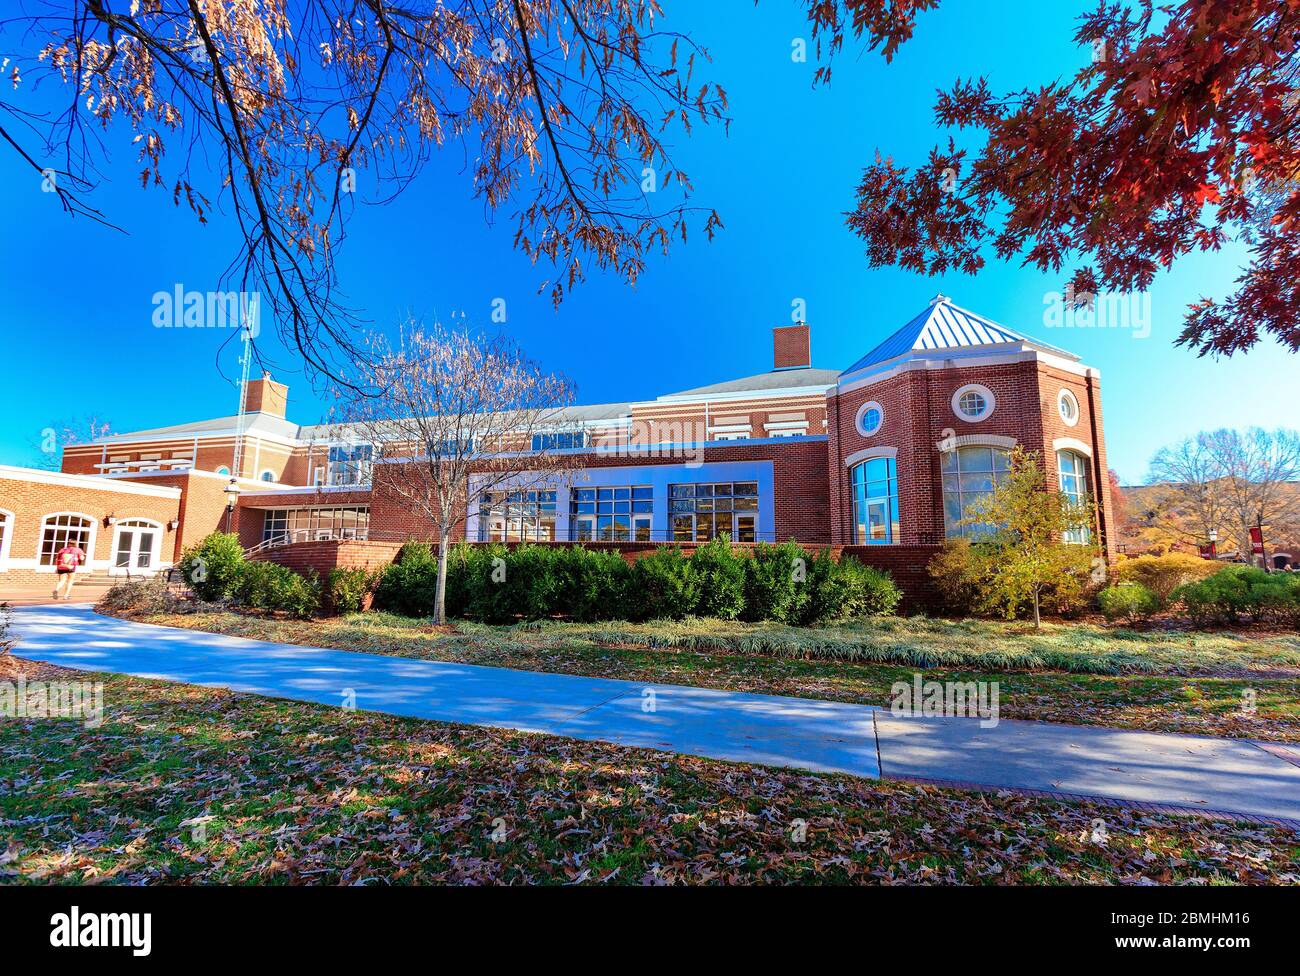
135 548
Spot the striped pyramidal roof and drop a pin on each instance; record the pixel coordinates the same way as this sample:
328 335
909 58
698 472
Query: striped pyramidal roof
943 325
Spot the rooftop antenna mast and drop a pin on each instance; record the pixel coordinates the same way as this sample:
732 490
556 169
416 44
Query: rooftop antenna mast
245 362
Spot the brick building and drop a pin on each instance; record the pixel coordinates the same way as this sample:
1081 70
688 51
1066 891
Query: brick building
885 456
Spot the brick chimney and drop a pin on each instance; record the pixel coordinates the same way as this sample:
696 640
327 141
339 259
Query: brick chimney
267 396
790 347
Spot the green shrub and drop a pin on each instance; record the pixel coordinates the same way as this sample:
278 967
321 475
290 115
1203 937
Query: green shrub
720 579
665 584
871 592
592 584
845 589
270 586
774 579
1164 574
532 585
213 567
1128 601
1279 599
348 588
487 583
413 552
408 588
1237 591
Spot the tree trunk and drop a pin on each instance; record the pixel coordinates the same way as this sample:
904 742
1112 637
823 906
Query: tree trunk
1038 620
440 601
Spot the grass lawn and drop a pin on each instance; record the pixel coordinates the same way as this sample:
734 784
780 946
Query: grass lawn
1076 673
190 784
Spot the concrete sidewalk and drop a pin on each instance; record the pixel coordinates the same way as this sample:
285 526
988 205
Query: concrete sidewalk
1222 775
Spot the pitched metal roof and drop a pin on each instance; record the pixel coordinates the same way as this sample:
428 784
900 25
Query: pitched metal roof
254 423
943 325
777 379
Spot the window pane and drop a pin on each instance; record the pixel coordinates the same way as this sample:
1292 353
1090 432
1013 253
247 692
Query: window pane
744 528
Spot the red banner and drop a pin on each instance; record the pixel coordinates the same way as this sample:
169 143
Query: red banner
1257 540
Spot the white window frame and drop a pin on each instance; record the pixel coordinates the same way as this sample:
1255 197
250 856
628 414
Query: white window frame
862 412
990 403
1067 396
90 541
155 556
7 520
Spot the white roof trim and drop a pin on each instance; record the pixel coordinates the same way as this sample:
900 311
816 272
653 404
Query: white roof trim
975 358
788 391
92 482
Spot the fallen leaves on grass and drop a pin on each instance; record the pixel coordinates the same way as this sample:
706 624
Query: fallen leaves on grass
189 784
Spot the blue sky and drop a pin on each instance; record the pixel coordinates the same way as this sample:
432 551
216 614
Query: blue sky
78 296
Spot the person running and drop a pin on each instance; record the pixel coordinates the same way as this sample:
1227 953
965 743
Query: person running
66 561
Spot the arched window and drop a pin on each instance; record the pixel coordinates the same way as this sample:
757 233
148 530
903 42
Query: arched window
875 501
223 470
268 475
6 536
62 528
970 473
1073 469
135 545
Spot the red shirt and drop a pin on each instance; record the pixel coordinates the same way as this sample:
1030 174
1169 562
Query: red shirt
69 557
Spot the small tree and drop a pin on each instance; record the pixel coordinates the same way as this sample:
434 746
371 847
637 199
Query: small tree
450 413
1020 552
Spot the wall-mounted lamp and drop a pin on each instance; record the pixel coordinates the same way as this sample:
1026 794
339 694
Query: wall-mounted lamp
110 520
174 524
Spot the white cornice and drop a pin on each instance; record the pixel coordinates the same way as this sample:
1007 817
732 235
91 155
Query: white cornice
951 360
92 482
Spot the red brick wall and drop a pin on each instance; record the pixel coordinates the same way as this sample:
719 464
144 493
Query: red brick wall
918 414
790 347
267 396
31 501
324 556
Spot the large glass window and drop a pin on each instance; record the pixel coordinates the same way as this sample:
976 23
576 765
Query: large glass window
875 501
620 513
970 473
698 513
312 524
350 464
60 530
517 516
1073 469
563 440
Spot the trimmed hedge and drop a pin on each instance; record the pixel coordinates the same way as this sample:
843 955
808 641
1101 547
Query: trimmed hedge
1129 601
1236 592
494 584
213 567
347 589
270 586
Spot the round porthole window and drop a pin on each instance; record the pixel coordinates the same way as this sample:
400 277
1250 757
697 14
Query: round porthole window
973 402
871 416
1068 407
